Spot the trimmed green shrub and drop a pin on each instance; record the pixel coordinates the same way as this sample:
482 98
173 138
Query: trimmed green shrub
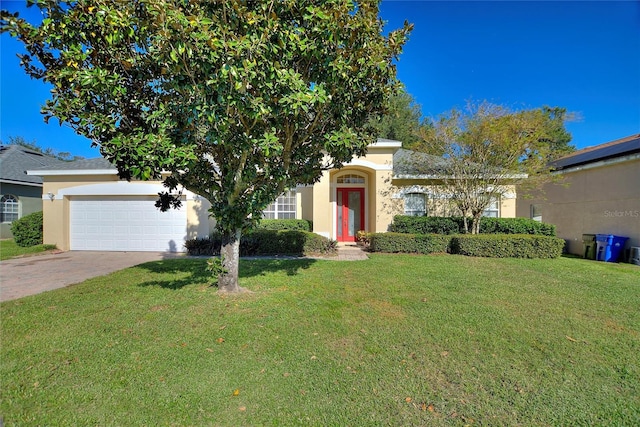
267 242
289 242
507 245
516 226
204 246
425 225
455 225
27 231
285 224
408 243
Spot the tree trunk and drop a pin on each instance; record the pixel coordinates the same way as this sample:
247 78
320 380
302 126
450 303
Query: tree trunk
230 255
465 221
475 225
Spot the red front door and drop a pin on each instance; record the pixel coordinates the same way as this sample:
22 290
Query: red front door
350 213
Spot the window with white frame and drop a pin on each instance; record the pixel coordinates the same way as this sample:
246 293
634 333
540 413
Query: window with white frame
415 204
350 179
283 208
493 209
536 213
9 208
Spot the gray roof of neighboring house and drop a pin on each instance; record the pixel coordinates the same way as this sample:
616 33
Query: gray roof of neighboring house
83 164
618 148
15 160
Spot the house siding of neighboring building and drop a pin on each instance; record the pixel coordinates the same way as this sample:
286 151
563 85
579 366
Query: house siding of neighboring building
599 193
24 191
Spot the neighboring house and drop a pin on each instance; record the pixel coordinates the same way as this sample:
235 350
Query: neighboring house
88 208
599 194
20 194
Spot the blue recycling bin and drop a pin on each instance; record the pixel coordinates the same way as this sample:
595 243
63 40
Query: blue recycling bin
609 247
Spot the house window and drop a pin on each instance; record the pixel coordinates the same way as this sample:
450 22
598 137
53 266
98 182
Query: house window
283 208
415 204
492 210
9 208
350 179
536 213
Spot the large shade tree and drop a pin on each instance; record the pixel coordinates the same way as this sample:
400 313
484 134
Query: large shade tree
234 100
490 149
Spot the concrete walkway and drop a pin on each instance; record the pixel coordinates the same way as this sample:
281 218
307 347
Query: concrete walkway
20 277
350 252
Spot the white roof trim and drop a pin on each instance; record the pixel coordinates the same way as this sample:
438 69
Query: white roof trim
30 184
368 164
73 172
386 144
117 188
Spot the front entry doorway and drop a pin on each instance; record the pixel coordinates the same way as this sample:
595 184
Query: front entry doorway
350 213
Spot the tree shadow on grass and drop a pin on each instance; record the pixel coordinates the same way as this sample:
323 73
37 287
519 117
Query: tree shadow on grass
178 272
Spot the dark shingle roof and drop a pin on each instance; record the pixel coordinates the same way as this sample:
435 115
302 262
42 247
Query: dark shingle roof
15 160
83 164
412 163
618 148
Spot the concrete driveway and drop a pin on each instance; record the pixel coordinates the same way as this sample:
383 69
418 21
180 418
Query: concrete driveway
20 277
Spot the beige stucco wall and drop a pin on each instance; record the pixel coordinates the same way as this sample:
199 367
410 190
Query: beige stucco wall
322 206
443 207
55 228
306 203
508 207
592 200
199 222
385 206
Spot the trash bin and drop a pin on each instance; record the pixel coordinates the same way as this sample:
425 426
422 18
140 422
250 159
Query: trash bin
589 244
609 247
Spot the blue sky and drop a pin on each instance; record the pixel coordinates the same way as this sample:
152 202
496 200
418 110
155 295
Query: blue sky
584 56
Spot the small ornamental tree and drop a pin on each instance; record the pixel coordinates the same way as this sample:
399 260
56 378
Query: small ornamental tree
234 100
489 149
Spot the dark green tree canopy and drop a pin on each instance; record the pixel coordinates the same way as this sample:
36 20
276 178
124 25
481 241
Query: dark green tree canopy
237 100
558 139
401 121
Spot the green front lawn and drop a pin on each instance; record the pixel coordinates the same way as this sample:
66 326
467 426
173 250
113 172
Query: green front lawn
9 249
396 340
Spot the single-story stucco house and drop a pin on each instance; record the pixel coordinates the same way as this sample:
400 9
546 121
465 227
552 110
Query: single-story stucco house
20 194
86 206
599 193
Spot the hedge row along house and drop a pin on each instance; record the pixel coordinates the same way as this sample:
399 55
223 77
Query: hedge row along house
87 207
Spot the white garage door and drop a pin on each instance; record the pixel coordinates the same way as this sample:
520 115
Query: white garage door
126 223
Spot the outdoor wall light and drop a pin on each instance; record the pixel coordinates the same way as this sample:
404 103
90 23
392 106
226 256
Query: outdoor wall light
51 196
